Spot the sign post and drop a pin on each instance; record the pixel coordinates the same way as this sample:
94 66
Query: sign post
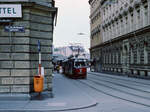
39 50
10 42
38 79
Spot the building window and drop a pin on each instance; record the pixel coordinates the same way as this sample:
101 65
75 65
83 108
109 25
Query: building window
114 30
107 58
121 27
117 58
131 56
138 56
131 25
126 24
145 53
145 15
117 28
138 19
109 32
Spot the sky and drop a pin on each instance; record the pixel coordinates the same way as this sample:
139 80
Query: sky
73 18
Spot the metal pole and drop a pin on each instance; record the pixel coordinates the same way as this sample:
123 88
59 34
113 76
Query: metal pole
39 50
39 63
10 44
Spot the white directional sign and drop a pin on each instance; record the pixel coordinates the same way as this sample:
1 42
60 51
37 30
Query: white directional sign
10 11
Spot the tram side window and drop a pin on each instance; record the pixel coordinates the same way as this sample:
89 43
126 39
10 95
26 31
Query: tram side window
80 64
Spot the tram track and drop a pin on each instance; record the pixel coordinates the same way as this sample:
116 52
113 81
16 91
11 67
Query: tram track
123 90
121 78
132 99
125 84
124 87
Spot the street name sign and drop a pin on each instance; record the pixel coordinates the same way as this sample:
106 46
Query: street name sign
10 11
14 29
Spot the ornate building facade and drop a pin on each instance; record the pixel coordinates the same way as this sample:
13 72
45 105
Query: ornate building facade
96 37
125 30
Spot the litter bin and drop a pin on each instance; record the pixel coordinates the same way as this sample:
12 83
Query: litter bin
38 83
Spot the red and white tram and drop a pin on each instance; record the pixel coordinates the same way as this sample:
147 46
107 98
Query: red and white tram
75 68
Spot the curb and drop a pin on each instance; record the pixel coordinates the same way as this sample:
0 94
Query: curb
49 110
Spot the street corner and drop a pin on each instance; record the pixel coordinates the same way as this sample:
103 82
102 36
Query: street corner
59 104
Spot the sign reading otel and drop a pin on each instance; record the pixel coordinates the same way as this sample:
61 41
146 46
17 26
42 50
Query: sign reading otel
10 11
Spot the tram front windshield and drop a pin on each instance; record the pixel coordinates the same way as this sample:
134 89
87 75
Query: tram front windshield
80 64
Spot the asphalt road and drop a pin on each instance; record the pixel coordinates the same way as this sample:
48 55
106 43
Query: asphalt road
113 93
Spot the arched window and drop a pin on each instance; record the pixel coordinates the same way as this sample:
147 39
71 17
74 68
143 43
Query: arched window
131 25
126 24
138 56
145 15
131 54
138 19
145 52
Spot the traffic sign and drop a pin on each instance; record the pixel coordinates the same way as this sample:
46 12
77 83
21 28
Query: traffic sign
39 46
14 29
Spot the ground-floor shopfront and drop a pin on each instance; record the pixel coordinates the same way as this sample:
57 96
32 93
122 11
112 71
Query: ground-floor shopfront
127 54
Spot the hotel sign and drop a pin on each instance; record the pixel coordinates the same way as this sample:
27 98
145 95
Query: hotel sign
10 11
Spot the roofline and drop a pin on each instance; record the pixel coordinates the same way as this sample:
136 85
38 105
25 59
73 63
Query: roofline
90 1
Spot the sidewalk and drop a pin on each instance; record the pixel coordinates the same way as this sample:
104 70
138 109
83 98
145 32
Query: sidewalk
67 96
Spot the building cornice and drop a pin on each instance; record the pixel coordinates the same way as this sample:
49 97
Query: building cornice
28 3
46 4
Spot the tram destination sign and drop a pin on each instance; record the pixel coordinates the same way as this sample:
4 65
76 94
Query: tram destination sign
14 29
10 11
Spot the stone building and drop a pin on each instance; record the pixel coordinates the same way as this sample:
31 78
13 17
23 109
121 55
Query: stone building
73 49
96 36
125 29
19 50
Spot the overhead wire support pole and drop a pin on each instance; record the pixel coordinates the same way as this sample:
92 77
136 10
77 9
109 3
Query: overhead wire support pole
10 44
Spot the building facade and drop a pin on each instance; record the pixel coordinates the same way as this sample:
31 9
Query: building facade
19 48
96 34
67 51
125 29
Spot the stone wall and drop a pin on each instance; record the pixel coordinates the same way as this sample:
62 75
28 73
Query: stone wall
19 55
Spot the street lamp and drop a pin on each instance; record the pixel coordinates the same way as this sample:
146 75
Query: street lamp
81 33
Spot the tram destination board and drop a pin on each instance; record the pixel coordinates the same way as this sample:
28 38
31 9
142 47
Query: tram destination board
14 29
